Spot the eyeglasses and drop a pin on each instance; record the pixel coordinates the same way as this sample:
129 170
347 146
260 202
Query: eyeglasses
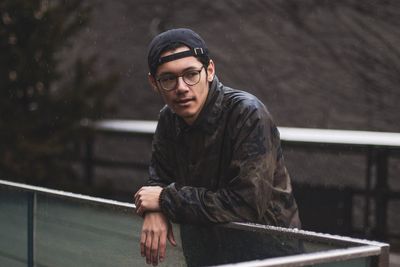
168 82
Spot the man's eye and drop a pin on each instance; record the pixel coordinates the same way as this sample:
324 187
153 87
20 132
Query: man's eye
191 74
167 78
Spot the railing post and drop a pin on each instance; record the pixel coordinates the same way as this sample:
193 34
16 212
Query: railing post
31 228
381 191
384 257
88 162
368 185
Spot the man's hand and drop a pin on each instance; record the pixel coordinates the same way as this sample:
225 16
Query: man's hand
147 199
153 241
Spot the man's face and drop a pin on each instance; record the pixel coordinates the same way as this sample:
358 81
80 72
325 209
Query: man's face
185 100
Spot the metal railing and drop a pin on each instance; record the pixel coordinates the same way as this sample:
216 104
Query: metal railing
377 147
74 241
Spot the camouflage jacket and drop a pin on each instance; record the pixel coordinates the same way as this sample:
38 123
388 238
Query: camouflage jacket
227 166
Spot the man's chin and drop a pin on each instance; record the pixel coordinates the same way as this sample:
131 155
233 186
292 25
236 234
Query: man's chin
188 117
184 112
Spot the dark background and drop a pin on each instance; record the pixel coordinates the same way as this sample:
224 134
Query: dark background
315 64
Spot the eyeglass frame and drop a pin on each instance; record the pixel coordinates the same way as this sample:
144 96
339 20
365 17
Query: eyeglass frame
182 75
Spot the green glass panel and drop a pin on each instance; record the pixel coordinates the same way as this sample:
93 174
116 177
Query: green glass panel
13 228
214 245
74 233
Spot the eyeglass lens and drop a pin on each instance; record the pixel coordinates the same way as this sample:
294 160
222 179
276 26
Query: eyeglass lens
190 77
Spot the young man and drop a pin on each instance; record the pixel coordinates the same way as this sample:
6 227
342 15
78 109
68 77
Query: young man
216 154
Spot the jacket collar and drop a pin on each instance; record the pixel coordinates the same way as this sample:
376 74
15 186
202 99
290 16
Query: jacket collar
209 115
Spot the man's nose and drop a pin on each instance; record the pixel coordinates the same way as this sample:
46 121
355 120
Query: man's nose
181 86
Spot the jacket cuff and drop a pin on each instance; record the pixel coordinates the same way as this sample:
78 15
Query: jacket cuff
161 199
166 200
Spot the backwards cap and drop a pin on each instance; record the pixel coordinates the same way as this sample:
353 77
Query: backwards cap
183 36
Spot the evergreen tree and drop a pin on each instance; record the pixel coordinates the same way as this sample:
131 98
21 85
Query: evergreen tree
40 107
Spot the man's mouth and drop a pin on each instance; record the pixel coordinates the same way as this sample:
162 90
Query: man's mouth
184 101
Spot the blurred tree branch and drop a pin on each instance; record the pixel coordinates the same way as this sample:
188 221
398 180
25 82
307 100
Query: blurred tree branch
41 106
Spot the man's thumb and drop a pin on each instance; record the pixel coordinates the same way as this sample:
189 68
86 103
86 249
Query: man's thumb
170 236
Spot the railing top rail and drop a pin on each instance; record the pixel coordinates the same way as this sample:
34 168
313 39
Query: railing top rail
362 138
123 126
309 235
65 194
288 134
312 258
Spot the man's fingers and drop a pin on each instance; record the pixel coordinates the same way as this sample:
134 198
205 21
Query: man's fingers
143 244
170 236
148 198
149 239
154 249
162 246
138 210
138 206
155 231
137 194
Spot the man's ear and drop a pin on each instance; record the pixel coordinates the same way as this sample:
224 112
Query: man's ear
210 71
152 82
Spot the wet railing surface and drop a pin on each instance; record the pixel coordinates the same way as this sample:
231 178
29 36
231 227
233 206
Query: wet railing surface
43 227
378 148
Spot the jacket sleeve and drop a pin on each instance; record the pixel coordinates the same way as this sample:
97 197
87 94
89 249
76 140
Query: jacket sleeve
254 140
161 163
